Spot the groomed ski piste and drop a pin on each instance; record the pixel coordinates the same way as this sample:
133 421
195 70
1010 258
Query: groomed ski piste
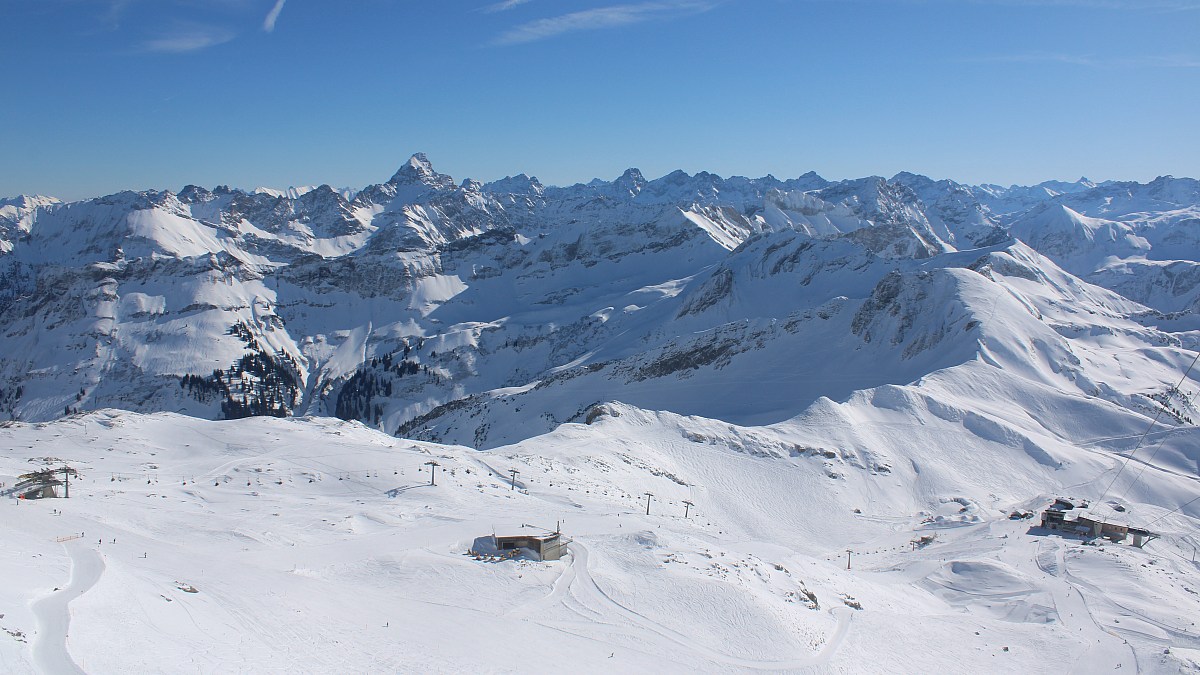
317 545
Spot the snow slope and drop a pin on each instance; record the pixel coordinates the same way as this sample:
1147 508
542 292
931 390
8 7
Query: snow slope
317 545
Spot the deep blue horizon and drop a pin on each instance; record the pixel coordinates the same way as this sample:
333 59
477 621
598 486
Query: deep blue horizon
106 95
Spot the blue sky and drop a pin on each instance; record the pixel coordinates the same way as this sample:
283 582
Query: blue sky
103 95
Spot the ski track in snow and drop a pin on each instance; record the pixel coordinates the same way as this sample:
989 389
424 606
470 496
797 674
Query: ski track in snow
1075 614
50 652
577 581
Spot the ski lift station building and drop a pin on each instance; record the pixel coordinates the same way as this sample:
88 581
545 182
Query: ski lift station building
37 489
547 546
1087 524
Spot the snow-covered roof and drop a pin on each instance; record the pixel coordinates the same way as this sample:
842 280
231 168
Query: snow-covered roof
538 537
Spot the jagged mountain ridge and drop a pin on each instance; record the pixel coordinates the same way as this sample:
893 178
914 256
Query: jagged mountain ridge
419 303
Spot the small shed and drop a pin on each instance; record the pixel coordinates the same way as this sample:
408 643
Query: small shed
546 546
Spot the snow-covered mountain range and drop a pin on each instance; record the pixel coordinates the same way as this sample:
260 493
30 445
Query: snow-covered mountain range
888 365
414 302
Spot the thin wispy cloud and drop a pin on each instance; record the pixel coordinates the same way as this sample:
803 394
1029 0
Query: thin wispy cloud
1168 61
504 6
185 39
1146 5
112 15
613 16
1039 57
1158 5
273 16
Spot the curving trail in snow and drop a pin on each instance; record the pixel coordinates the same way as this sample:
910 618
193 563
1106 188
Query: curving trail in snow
577 580
53 615
1104 647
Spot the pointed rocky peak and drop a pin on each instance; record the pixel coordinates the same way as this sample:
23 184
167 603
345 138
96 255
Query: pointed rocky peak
677 185
914 181
321 195
1059 187
419 170
931 191
632 181
676 177
194 194
414 182
809 181
417 165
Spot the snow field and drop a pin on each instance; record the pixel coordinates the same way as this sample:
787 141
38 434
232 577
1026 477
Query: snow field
339 556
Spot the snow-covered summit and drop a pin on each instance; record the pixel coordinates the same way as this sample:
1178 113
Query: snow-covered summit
297 192
519 184
1005 201
17 215
28 201
1060 231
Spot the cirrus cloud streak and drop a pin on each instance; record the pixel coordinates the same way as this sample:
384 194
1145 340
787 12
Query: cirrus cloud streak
599 18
